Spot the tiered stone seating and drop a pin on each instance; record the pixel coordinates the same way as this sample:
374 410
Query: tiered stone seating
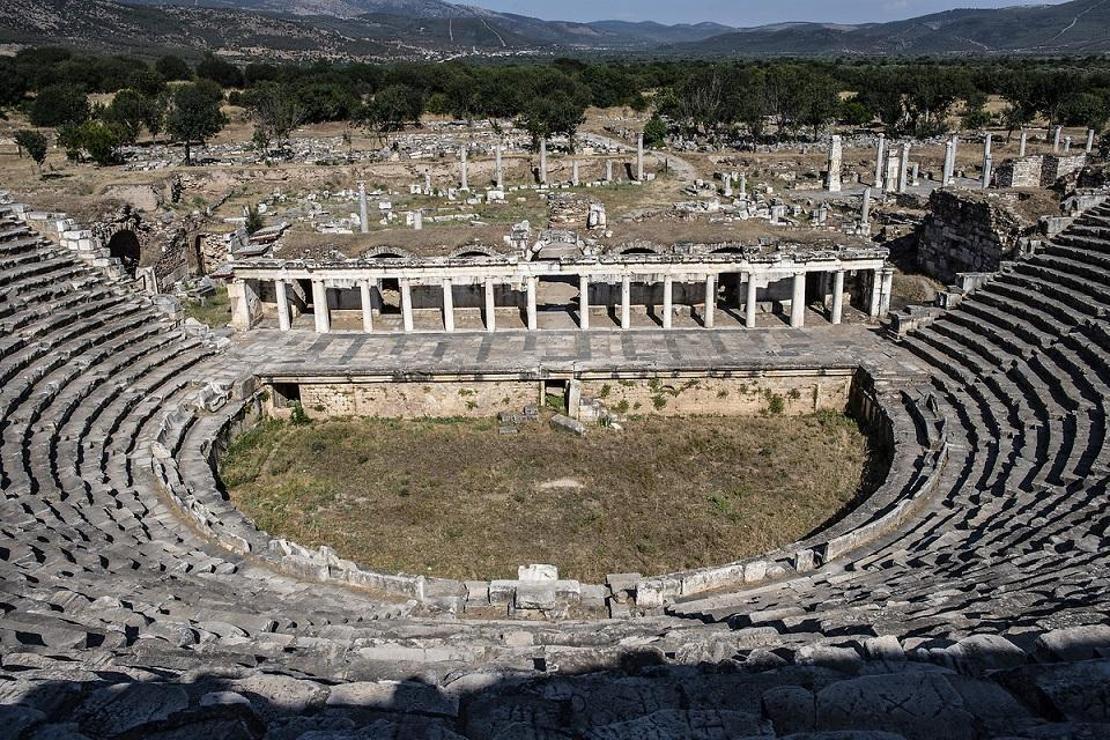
966 597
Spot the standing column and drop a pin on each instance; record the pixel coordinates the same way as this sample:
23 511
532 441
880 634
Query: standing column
583 302
465 176
533 321
367 307
284 321
1090 140
320 307
988 161
1056 133
574 173
749 304
710 301
640 158
876 294
363 210
949 158
1023 143
448 306
904 168
885 289
626 302
838 297
1067 145
608 170
500 176
836 155
543 162
491 308
798 301
880 160
865 212
406 305
668 301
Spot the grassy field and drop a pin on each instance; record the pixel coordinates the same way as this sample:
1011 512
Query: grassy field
456 499
215 310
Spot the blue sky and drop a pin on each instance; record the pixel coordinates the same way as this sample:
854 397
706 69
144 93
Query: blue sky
737 12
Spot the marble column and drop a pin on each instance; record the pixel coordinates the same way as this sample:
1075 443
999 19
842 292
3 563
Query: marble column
880 161
1067 145
1090 147
886 290
499 167
904 168
448 306
533 319
865 212
640 158
583 302
463 172
750 304
574 174
1056 134
367 306
363 209
838 297
876 294
320 307
710 301
491 308
1023 143
406 305
798 301
668 301
543 162
608 170
836 156
284 321
626 302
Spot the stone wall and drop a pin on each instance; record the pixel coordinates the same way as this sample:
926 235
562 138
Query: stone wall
970 231
416 400
745 396
1023 172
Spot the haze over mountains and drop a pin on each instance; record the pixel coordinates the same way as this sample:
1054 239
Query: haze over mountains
376 29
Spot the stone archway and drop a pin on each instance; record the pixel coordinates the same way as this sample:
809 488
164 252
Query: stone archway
124 246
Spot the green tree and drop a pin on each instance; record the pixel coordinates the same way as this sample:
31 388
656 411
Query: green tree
392 109
34 143
276 113
195 115
1087 109
173 68
129 110
100 140
222 72
58 105
655 131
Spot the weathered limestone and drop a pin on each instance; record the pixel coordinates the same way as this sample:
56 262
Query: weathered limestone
406 305
499 170
1090 145
988 161
574 174
836 155
750 306
1023 143
865 212
1057 132
903 168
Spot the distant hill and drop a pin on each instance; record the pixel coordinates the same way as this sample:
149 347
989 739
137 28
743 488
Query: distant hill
431 29
1078 27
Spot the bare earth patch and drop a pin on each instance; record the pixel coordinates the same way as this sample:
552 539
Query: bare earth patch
456 499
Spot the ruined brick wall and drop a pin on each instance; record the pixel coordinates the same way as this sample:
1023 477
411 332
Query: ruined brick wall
1024 172
416 400
754 396
969 231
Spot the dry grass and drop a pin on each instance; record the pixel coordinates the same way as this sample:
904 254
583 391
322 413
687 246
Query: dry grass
455 498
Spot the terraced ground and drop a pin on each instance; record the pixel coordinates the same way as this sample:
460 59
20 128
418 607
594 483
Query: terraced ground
967 597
